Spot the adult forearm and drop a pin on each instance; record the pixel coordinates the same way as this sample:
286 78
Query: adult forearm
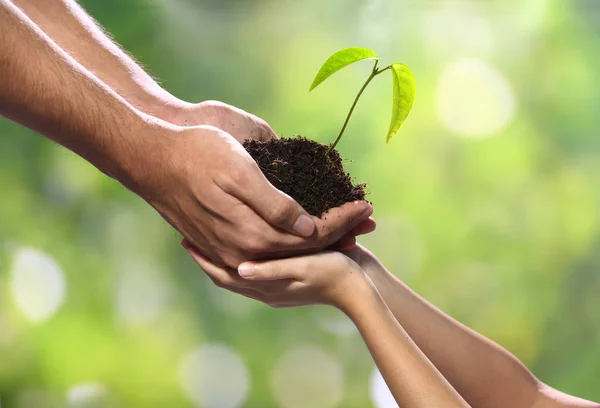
69 26
412 378
43 88
485 374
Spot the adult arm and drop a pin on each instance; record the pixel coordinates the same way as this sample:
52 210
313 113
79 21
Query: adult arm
44 89
199 179
72 29
485 374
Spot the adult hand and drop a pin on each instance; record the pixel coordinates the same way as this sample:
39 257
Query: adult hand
323 278
241 125
207 186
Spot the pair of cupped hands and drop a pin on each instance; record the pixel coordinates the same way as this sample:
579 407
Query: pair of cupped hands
231 217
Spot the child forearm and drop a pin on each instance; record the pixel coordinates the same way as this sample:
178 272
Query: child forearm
412 378
485 374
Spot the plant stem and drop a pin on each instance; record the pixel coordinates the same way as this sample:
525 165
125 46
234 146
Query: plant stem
374 73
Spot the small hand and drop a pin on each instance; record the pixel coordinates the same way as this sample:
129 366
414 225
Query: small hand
205 184
322 278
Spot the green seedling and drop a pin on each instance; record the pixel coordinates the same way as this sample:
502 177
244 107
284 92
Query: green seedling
403 85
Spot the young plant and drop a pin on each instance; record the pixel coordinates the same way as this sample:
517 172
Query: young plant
403 85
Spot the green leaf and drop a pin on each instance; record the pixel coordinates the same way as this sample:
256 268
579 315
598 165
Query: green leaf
339 60
404 97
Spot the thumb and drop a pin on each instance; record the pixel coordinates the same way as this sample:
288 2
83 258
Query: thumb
274 206
271 270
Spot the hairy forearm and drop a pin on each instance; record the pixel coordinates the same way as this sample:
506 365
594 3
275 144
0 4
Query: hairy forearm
43 88
69 26
485 374
412 378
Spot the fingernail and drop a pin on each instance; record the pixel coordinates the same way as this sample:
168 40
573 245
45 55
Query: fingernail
368 211
304 225
246 269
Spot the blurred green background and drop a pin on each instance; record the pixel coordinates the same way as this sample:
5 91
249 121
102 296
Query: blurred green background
487 203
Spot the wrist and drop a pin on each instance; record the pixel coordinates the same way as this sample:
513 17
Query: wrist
366 307
377 273
359 292
143 148
162 105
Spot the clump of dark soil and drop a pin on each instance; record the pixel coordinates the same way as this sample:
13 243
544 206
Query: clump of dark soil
300 168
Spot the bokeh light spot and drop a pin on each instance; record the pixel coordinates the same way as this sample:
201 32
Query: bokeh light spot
307 377
333 321
143 293
214 376
231 303
87 395
474 100
37 284
451 29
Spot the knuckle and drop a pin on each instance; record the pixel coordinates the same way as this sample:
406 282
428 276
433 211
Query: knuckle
274 271
235 178
233 260
211 104
239 174
245 254
254 244
280 212
269 272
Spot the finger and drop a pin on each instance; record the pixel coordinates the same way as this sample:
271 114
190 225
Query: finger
265 132
219 274
290 268
340 221
346 242
200 243
274 206
365 227
351 217
249 293
230 280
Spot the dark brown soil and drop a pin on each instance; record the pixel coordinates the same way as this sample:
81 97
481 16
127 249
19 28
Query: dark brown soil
300 168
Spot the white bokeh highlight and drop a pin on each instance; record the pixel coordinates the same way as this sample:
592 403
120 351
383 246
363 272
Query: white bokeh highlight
453 29
214 376
87 395
37 284
473 99
232 304
332 321
307 377
143 293
380 393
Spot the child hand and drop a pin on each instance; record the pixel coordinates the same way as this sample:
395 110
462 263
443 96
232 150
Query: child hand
323 278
